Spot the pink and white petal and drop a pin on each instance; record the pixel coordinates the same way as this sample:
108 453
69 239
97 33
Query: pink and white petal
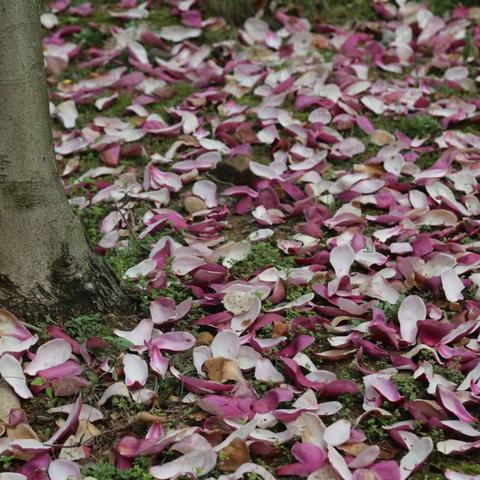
247 468
338 463
64 470
337 433
117 388
135 369
50 354
247 357
226 344
341 259
140 335
196 463
207 191
174 341
415 458
366 457
87 412
452 285
266 372
140 270
10 326
450 402
12 372
452 475
70 423
411 310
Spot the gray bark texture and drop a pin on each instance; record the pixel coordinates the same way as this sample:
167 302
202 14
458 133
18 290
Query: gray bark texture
46 265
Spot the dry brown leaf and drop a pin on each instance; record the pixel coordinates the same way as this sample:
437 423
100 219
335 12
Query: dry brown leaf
233 455
22 431
382 137
279 329
222 370
204 338
320 41
354 449
146 418
8 401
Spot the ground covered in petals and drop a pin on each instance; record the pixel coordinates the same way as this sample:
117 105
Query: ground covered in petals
291 198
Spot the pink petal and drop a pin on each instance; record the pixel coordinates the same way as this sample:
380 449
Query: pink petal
136 370
140 335
414 459
12 372
266 372
451 403
10 326
64 470
174 341
70 422
207 191
50 354
341 259
411 310
452 285
226 344
337 433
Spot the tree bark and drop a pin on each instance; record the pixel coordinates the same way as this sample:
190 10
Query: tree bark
46 264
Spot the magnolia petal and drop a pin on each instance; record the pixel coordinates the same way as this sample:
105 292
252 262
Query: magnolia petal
411 310
12 372
50 354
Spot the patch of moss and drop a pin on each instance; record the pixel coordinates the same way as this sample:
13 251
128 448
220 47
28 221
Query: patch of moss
419 126
262 255
106 471
441 7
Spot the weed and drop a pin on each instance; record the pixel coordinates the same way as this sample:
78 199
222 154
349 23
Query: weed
106 471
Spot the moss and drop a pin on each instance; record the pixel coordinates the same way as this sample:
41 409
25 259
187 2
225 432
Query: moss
180 91
408 386
106 471
441 7
331 11
263 254
419 126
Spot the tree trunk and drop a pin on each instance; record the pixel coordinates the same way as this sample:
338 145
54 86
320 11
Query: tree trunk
46 265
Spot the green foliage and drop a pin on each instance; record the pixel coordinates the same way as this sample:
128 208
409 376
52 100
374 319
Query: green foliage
331 11
440 7
408 386
105 471
391 309
6 462
262 254
419 126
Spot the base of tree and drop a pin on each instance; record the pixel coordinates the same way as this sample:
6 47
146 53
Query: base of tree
70 290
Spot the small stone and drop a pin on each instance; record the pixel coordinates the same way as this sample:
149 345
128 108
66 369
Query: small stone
194 204
235 170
